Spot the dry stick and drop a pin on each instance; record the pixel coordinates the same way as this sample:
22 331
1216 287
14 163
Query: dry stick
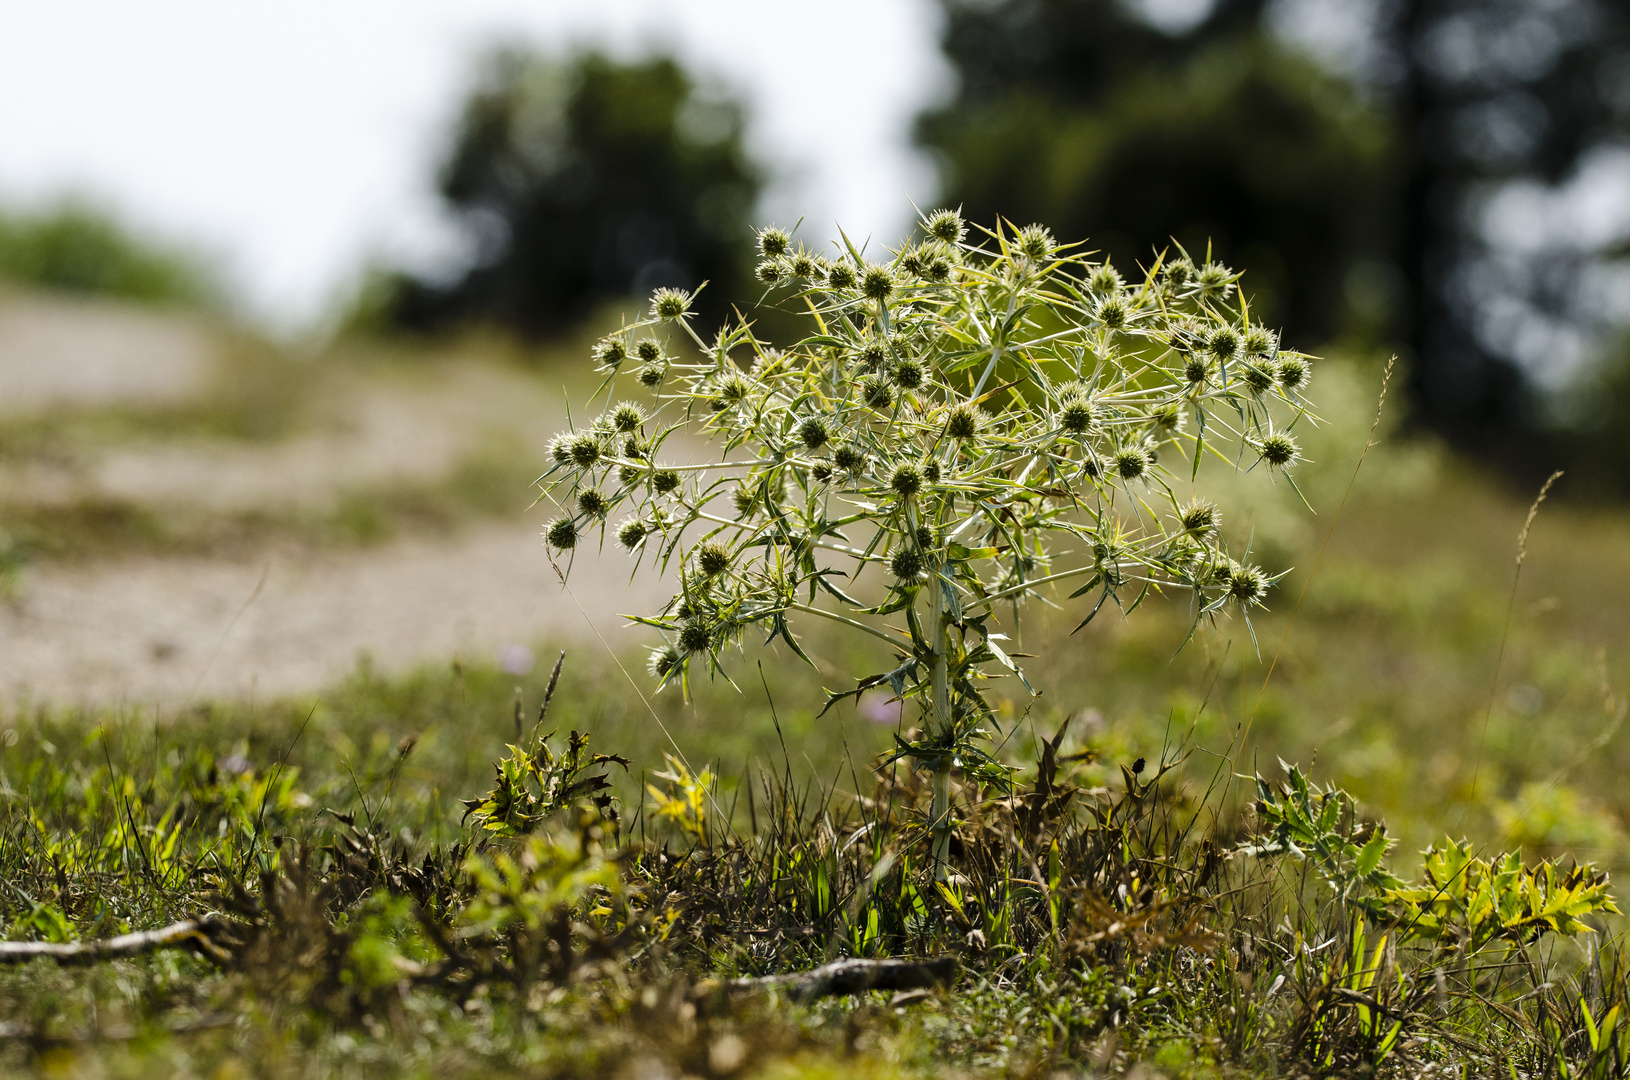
850 977
186 932
1369 441
1511 603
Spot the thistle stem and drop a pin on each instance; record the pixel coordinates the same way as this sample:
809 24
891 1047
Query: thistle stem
939 814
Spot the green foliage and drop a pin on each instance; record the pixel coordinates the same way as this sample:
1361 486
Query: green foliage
1461 902
79 248
1467 902
535 784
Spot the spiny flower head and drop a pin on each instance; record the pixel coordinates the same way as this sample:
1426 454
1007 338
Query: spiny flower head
712 558
877 393
1259 339
906 564
908 374
649 350
906 481
877 282
651 375
561 534
1113 312
1168 418
592 502
1079 414
1258 376
1105 279
1214 281
848 458
770 272
662 662
773 241
841 275
664 481
1035 242
1247 584
582 449
631 532
670 303
627 417
1224 342
814 433
695 637
963 421
1293 372
946 226
1199 517
610 352
1278 449
1131 462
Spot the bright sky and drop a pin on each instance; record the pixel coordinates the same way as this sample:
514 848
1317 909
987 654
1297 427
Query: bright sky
297 140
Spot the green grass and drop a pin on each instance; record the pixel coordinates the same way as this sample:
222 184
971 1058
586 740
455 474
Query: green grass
112 819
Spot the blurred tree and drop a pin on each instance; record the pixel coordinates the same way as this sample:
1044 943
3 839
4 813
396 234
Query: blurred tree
77 247
1080 114
585 181
1500 96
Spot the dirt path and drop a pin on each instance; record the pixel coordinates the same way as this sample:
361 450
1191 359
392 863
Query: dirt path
179 630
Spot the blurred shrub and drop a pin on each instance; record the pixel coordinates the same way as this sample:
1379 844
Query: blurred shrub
582 181
77 247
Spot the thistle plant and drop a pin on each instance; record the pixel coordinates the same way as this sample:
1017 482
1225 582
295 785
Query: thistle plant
967 425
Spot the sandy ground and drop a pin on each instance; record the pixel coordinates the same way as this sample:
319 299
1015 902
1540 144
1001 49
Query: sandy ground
66 352
175 631
172 631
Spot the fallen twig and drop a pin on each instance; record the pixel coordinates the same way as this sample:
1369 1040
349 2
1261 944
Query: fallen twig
193 933
852 977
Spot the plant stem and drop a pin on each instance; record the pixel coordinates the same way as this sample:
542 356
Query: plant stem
835 617
939 814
